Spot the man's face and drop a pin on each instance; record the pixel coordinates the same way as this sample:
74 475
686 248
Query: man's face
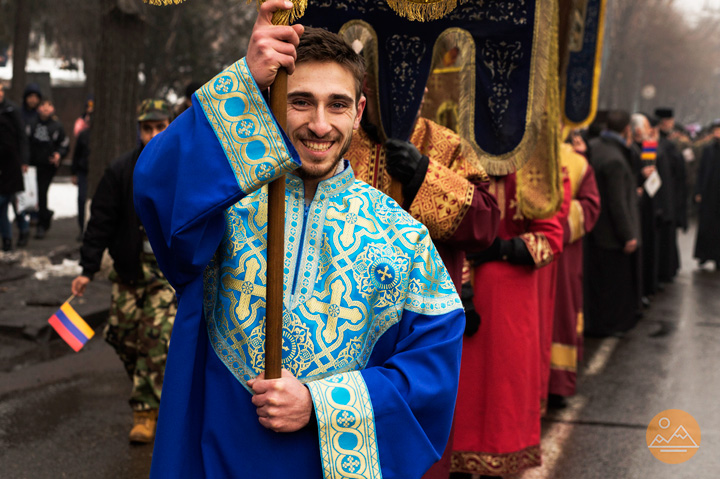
46 110
667 124
2 93
716 132
150 128
32 100
321 116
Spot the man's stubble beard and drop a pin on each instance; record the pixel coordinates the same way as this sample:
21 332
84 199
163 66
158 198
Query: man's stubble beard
312 175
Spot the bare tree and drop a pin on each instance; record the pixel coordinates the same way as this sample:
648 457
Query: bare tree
116 84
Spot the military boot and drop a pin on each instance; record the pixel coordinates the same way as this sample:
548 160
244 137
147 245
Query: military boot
144 423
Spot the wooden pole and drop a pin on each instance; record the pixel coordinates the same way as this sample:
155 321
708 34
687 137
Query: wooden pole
275 245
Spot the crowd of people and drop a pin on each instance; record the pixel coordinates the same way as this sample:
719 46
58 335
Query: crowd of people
433 341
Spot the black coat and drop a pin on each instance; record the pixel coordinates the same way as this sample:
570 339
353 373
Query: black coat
707 246
114 224
619 220
13 149
46 137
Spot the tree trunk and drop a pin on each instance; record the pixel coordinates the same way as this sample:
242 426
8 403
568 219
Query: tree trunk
116 87
21 42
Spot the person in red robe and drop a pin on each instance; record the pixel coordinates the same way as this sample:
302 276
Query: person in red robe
567 336
497 415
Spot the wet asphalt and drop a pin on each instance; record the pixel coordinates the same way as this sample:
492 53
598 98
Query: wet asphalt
65 415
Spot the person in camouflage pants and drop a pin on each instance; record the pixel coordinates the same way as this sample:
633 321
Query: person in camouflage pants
139 327
143 302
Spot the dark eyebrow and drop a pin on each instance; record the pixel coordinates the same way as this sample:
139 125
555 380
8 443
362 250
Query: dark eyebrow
300 94
309 96
341 97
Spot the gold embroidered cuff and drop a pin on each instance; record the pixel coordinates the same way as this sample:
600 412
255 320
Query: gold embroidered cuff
576 220
539 248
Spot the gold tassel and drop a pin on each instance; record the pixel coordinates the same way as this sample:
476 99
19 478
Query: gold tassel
286 17
163 2
423 10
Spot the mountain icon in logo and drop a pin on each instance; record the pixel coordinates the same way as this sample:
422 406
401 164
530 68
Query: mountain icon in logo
680 439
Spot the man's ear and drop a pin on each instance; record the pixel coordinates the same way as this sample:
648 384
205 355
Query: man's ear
360 109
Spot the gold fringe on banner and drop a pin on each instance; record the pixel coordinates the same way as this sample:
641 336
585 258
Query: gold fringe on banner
539 186
286 17
163 2
423 10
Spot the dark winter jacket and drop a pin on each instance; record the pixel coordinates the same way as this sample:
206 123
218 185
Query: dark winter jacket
81 155
46 137
619 220
29 115
11 179
114 224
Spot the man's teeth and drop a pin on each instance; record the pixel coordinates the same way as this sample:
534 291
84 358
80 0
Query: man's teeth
317 146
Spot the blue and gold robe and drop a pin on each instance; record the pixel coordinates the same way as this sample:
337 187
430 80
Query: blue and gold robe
372 323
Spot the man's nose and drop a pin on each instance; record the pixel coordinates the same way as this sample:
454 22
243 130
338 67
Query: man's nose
319 124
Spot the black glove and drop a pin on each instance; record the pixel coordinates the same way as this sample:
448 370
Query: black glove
403 159
513 251
405 163
472 318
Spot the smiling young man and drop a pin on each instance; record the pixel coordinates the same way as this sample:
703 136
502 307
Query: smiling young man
372 324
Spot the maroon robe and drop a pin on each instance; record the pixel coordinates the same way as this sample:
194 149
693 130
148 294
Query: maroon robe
568 323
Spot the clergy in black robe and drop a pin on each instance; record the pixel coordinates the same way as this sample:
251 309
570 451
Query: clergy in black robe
671 167
707 195
645 142
610 249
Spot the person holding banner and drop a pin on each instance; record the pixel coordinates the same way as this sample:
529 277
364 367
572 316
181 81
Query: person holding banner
372 323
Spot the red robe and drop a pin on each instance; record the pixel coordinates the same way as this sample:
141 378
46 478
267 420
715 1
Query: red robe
568 320
497 416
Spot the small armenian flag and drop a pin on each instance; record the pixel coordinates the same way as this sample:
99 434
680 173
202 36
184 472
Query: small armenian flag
649 151
71 327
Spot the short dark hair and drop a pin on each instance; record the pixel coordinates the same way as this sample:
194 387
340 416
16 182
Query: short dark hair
618 120
318 45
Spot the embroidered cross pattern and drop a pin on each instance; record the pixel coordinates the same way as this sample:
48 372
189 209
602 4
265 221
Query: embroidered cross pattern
384 274
346 419
247 288
350 464
334 310
222 85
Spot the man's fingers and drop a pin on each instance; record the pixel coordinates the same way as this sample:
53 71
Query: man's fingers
268 8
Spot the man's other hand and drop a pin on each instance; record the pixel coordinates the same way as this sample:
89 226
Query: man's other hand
283 405
630 246
403 158
271 46
79 284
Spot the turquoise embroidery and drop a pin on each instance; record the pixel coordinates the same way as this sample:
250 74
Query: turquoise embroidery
346 427
245 128
355 279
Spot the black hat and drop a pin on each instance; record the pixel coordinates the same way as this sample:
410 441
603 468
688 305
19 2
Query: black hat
715 124
663 113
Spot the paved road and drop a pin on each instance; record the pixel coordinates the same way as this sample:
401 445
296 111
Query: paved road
65 415
671 360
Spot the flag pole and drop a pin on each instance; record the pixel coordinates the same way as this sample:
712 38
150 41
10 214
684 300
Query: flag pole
276 232
275 244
